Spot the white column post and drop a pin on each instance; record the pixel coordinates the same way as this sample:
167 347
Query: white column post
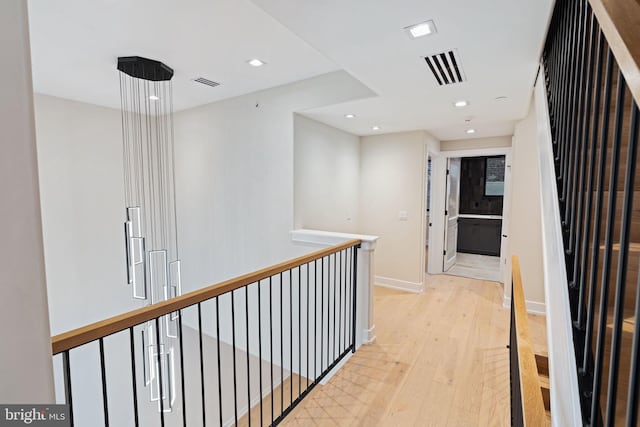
26 371
367 329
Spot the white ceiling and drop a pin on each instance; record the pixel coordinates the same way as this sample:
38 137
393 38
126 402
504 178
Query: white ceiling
75 44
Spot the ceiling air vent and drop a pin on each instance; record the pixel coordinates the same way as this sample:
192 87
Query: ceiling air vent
206 82
446 67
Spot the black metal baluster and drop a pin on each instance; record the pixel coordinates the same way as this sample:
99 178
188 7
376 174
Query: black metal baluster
578 193
340 308
307 325
634 372
159 360
566 129
281 348
563 99
134 385
246 313
291 336
611 206
335 291
233 354
181 344
66 367
321 314
571 131
204 411
584 250
103 377
271 341
625 237
348 291
602 161
299 330
219 361
315 320
355 299
260 350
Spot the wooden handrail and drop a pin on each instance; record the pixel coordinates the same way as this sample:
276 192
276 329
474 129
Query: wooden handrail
530 390
620 23
89 333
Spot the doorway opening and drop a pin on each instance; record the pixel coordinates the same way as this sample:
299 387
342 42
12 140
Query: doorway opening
475 229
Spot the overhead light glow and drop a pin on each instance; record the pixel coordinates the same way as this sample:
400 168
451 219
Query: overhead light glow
461 103
256 62
470 131
421 29
349 116
376 128
154 98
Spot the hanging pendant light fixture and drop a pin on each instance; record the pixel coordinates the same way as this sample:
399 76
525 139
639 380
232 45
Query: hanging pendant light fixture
151 241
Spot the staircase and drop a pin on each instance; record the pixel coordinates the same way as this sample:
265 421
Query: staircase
590 76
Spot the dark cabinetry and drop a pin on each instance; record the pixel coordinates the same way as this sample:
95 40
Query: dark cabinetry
479 236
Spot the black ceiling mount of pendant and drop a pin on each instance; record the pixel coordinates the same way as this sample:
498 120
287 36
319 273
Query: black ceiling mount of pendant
144 68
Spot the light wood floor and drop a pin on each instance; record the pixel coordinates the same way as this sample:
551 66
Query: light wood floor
440 359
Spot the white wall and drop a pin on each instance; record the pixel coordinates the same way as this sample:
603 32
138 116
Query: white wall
235 177
392 179
525 234
477 143
326 177
26 374
82 193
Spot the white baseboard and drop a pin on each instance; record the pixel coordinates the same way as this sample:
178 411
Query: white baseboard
387 282
533 307
370 335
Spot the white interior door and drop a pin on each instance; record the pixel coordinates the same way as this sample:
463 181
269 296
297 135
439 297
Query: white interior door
451 213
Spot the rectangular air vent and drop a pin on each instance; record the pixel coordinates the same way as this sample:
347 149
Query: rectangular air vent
206 82
446 67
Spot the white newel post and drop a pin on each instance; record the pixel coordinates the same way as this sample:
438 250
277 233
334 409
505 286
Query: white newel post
365 327
367 330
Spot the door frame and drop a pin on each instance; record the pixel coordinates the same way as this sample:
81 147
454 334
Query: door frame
438 197
448 259
438 171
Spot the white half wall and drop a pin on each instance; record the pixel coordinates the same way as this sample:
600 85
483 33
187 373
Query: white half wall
392 202
326 177
525 229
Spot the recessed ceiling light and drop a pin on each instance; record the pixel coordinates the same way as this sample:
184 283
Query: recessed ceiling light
461 103
256 62
154 98
349 116
421 29
375 128
470 131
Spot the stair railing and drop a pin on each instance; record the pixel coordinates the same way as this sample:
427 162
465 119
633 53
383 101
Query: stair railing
588 94
527 406
244 351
